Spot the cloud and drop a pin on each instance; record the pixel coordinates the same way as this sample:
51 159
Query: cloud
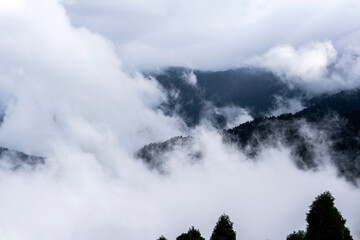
66 97
190 78
213 34
233 116
316 66
65 83
76 198
10 5
308 63
283 106
304 38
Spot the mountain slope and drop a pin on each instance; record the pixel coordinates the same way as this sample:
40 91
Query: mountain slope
194 95
332 122
329 129
15 160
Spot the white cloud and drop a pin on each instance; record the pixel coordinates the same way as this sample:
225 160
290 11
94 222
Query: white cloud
213 34
190 78
308 63
67 97
283 106
304 37
55 75
14 5
316 66
76 198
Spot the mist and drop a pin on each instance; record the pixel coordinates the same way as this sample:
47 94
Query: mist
75 94
75 197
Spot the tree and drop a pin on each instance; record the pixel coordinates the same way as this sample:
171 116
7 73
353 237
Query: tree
161 238
324 221
223 229
347 235
192 234
299 235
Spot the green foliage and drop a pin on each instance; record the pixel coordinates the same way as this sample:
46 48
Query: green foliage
324 221
343 131
192 234
223 229
161 238
347 235
299 235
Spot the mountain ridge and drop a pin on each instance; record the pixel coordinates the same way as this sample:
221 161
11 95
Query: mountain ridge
332 118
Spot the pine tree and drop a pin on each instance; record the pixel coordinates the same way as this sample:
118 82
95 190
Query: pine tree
161 238
324 221
223 229
347 235
192 234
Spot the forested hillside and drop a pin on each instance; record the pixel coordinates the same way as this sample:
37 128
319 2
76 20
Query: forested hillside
327 130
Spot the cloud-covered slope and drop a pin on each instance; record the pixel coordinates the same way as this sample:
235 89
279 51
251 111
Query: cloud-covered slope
326 132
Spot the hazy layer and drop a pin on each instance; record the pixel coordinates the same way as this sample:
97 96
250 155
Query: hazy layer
66 97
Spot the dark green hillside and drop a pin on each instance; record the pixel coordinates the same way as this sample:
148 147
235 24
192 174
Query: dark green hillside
335 117
329 125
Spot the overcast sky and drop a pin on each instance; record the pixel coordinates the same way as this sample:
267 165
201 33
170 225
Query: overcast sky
213 34
309 42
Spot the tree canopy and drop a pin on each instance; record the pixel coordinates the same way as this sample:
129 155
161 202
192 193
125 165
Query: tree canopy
192 234
324 221
223 229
